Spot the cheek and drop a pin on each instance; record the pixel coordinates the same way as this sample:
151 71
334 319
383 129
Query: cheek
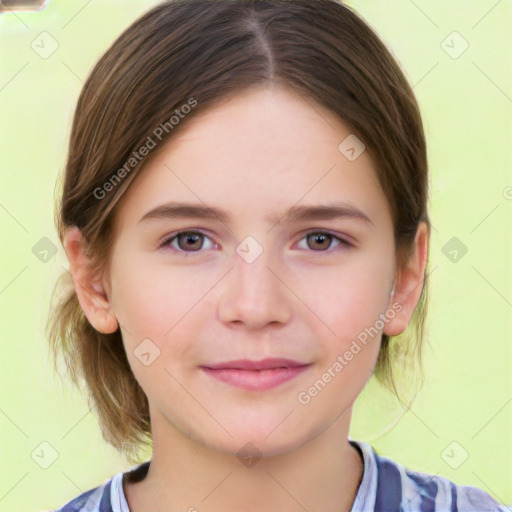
349 298
157 330
350 304
158 302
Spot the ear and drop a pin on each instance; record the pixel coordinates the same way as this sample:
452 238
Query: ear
409 283
91 292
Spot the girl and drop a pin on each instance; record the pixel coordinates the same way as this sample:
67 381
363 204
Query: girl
244 210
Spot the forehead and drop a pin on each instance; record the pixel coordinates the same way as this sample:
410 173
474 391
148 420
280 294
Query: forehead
255 154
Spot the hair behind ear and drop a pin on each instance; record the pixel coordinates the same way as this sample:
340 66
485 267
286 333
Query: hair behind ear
97 364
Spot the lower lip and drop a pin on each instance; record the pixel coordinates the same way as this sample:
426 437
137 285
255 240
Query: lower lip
256 380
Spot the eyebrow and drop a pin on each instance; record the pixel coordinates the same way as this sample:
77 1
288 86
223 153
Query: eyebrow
172 210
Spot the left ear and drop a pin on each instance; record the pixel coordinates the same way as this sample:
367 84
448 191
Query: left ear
409 283
90 291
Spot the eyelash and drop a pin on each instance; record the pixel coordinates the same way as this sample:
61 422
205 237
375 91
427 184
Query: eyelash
165 244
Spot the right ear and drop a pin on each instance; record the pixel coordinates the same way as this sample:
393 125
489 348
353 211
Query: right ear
90 290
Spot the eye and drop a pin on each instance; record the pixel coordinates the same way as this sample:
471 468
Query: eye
320 241
186 241
193 241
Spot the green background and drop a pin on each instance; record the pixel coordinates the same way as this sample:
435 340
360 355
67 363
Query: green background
465 407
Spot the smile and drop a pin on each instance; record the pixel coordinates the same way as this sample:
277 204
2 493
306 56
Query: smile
256 375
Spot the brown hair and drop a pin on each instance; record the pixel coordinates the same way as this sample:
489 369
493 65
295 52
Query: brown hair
198 53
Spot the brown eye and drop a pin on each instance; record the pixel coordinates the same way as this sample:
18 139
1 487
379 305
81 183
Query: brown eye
323 242
190 241
319 241
186 242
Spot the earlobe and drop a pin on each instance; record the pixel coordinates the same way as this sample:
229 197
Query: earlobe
409 283
90 291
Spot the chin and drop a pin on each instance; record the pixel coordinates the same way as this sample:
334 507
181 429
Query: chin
257 440
251 448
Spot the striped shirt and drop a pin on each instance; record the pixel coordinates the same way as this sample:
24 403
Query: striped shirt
386 486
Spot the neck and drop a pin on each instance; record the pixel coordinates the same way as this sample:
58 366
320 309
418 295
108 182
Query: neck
322 474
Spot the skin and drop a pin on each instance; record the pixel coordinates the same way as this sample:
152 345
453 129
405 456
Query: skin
257 154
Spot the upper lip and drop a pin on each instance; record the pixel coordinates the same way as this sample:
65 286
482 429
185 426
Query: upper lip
264 364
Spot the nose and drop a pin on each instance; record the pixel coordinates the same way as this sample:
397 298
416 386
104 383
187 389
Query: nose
254 294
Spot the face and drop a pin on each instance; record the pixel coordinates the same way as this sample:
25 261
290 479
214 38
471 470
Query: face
272 276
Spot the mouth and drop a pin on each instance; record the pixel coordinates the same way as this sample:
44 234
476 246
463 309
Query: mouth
256 375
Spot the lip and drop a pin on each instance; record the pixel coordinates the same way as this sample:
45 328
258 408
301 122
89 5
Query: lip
256 375
264 364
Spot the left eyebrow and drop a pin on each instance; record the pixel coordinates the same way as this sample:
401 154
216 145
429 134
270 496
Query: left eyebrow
331 211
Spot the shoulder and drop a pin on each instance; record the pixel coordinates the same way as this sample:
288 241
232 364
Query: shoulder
109 496
400 488
94 500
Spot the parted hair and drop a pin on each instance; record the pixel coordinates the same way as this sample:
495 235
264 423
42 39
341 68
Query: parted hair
211 51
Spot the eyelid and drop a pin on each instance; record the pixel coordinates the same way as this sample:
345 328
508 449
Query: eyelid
165 241
342 237
344 240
